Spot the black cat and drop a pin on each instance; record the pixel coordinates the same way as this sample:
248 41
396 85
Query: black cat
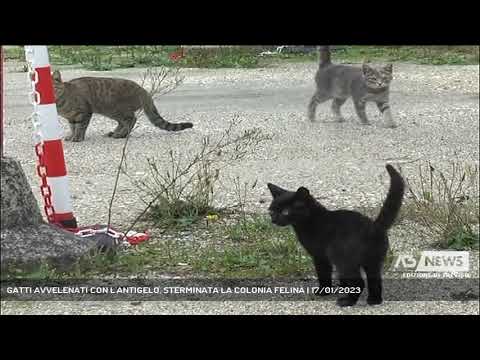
345 239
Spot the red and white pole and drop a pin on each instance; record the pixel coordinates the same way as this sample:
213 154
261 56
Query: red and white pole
49 147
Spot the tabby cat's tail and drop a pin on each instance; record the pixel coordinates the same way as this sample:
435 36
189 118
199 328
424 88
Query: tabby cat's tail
393 202
325 56
157 120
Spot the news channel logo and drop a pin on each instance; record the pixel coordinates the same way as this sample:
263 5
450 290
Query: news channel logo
446 264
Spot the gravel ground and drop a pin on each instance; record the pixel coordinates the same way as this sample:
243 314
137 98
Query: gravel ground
238 308
437 108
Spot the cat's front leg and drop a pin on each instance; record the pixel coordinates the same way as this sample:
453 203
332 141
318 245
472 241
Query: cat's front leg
78 123
384 108
81 129
351 287
69 136
317 99
323 268
360 106
312 109
336 105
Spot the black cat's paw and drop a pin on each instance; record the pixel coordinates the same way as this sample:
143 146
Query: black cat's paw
346 301
374 300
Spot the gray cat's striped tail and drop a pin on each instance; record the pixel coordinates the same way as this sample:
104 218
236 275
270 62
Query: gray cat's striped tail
157 120
325 56
393 202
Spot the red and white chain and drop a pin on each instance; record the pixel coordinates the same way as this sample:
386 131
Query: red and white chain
119 238
34 97
125 240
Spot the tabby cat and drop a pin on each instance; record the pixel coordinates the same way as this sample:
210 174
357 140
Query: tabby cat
345 239
119 99
339 82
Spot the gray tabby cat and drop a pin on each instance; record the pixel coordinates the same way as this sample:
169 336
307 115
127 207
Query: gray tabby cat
119 99
339 82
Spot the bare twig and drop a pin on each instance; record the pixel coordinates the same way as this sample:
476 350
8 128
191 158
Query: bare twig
156 78
187 183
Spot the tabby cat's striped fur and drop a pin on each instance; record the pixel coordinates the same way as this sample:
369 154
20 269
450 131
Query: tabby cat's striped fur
119 99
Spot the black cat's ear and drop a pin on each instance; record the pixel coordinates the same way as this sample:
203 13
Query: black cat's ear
303 192
275 190
57 76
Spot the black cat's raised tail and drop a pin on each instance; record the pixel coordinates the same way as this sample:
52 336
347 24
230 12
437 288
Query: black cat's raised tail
393 202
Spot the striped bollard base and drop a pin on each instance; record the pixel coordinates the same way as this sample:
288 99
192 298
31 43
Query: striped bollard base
50 132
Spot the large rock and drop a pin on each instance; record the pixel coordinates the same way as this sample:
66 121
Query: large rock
26 240
19 207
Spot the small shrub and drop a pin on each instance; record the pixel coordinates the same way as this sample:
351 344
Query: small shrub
447 203
184 191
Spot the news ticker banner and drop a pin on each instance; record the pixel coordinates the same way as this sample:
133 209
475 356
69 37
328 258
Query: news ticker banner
406 289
